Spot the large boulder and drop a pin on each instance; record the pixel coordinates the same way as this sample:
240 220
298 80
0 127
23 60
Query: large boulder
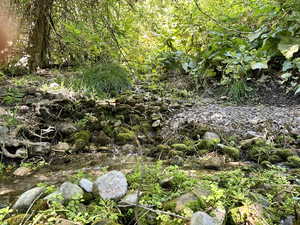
112 185
27 199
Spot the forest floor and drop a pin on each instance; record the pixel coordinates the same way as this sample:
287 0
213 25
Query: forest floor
49 133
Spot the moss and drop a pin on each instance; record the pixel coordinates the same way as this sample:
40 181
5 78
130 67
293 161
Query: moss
258 154
16 220
125 137
81 139
207 144
181 147
232 152
163 147
275 159
40 204
284 153
294 161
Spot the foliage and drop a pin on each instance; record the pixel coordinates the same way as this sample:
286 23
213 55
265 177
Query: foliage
102 80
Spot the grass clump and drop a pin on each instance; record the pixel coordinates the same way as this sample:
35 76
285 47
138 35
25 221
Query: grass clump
105 80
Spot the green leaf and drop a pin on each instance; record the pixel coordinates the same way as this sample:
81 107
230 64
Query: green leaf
256 34
288 46
259 65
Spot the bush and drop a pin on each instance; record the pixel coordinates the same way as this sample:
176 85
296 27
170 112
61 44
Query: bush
103 80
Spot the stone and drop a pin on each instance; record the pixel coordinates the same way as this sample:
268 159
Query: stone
202 218
66 128
247 214
130 198
112 185
86 185
3 131
211 136
288 221
156 124
81 139
212 162
22 171
185 200
101 138
16 220
70 191
128 148
27 198
55 197
125 137
220 215
61 147
230 151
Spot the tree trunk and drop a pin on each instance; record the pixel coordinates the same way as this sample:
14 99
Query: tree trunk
38 49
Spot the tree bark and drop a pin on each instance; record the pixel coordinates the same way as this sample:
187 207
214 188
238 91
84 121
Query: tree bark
39 36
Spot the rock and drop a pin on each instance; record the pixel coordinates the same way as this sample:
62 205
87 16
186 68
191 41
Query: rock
202 190
156 123
128 148
212 162
22 172
219 215
248 214
21 153
112 185
66 128
101 138
61 221
184 201
211 136
27 198
180 147
3 131
55 197
130 198
61 147
288 221
16 220
86 185
202 218
230 151
70 191
167 183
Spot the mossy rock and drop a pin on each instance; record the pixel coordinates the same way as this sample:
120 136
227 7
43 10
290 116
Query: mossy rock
40 204
248 143
293 161
126 137
16 220
181 147
207 144
231 152
248 214
81 139
274 159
